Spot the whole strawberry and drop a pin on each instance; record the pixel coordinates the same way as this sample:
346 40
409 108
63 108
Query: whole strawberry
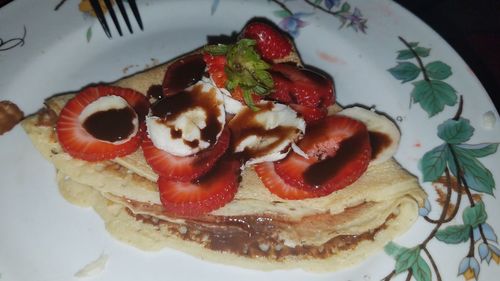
271 43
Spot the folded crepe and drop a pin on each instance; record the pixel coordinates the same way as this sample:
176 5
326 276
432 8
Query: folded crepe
257 229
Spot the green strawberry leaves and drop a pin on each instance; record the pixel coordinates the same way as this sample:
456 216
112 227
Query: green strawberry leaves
216 50
245 69
431 92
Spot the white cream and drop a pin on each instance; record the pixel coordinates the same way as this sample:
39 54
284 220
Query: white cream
191 122
279 115
231 105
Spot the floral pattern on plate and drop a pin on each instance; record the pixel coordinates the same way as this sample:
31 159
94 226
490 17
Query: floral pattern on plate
453 168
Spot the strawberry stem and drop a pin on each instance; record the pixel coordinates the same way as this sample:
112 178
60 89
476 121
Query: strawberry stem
245 69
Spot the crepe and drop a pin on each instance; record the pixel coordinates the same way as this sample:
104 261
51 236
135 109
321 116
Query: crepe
257 229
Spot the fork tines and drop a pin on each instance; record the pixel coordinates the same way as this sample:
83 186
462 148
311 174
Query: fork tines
109 6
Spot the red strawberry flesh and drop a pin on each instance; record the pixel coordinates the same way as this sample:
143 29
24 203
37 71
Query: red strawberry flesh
338 150
212 191
272 44
310 114
276 185
215 65
306 87
183 73
187 168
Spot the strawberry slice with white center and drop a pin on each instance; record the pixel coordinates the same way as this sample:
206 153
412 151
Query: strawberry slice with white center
210 192
186 168
338 150
102 142
278 186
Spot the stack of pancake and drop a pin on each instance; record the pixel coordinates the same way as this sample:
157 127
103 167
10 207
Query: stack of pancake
257 229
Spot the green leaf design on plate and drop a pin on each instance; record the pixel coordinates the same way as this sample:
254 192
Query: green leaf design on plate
282 13
438 70
479 150
405 55
214 6
422 52
393 249
475 215
406 258
455 131
433 163
454 234
421 270
413 44
408 54
405 71
433 95
345 7
477 176
89 34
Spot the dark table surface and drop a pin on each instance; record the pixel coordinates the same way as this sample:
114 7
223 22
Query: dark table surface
472 28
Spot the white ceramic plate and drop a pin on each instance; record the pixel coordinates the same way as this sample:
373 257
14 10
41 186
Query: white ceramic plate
42 237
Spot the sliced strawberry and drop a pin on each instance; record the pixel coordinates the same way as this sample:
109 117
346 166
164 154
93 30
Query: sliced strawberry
310 114
338 150
282 88
306 91
183 73
277 186
212 191
307 96
215 65
186 168
272 44
79 143
306 86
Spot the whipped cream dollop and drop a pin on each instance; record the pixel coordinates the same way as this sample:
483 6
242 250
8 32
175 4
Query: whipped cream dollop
106 104
189 121
266 134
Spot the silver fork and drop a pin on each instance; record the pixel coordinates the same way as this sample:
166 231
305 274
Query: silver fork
102 19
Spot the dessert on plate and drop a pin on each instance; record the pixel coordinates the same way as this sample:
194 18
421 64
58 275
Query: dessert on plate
234 153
